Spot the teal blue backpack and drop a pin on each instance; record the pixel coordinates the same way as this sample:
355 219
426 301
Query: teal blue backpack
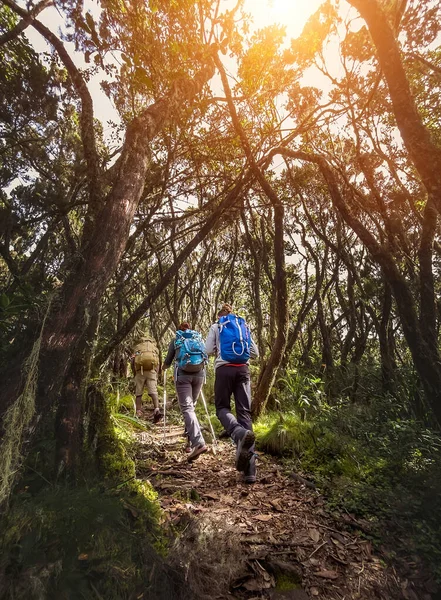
190 351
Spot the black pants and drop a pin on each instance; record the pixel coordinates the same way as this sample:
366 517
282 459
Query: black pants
233 380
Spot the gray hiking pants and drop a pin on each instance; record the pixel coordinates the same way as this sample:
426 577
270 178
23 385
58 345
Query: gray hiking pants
188 388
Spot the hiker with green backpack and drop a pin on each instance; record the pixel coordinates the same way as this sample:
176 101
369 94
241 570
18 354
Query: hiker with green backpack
187 349
230 341
145 366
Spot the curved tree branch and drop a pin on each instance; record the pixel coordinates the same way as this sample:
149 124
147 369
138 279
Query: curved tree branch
86 117
24 23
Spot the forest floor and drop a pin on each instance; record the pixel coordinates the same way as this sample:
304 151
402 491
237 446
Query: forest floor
288 543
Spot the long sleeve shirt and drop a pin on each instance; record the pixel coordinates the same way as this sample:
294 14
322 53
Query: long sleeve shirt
212 346
171 353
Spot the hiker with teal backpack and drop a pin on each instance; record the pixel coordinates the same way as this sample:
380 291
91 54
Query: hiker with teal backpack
187 349
230 341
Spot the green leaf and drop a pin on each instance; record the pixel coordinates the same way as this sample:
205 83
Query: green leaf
4 301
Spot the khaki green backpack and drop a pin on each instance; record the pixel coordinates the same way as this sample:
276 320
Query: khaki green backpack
146 356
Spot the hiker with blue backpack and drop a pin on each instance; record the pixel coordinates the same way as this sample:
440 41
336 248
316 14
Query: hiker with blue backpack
187 349
230 341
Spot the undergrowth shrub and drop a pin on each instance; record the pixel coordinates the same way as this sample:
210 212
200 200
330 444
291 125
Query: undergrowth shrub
373 460
300 392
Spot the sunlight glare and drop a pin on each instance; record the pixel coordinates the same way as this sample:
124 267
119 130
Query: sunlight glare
291 13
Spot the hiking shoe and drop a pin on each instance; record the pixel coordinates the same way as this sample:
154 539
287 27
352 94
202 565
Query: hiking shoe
243 454
157 417
197 450
249 475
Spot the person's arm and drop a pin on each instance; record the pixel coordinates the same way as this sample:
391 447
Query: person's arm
170 355
254 350
210 344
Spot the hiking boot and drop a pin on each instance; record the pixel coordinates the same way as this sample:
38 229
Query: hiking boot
243 454
157 416
197 450
249 475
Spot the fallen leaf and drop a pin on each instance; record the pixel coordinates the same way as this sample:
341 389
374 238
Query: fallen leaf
227 499
266 480
301 554
335 536
327 574
255 585
263 517
276 504
367 548
338 559
211 495
314 534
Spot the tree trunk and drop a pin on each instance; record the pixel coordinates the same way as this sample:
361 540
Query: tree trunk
69 416
427 284
268 375
68 332
386 351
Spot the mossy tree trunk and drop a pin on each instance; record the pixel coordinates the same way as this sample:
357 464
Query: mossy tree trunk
113 199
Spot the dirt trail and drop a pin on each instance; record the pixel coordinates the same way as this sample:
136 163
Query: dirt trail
287 536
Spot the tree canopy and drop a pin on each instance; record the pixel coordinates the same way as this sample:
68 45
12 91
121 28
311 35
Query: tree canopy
223 175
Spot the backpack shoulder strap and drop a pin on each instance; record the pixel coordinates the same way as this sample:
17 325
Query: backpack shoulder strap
179 338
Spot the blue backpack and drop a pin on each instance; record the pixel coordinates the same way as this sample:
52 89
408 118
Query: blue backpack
190 351
235 339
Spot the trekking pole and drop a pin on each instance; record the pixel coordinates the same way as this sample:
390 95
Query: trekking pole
165 398
209 420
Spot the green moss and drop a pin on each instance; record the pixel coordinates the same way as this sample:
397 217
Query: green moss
285 582
99 539
95 537
281 434
126 402
194 495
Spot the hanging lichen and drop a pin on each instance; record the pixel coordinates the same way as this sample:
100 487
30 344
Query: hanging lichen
17 419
